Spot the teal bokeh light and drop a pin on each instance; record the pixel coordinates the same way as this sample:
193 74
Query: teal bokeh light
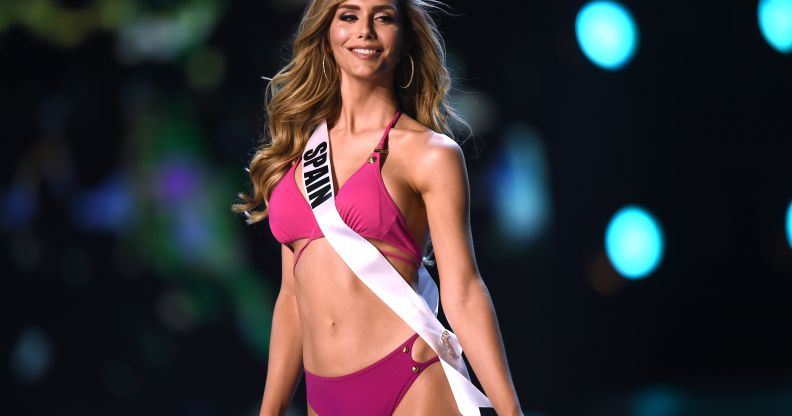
634 242
775 22
606 33
789 224
519 187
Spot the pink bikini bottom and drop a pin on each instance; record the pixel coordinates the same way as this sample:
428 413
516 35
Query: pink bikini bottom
372 391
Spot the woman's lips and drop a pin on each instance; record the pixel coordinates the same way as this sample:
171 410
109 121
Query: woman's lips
365 56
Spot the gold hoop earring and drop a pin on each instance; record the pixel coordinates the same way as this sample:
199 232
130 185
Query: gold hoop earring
412 72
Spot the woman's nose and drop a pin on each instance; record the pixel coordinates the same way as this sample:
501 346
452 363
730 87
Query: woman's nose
366 30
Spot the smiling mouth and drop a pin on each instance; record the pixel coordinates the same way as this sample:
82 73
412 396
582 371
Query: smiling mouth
365 53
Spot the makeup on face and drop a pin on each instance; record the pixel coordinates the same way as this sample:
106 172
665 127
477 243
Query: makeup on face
366 32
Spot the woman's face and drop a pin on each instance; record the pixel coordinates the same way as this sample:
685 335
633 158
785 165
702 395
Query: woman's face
366 38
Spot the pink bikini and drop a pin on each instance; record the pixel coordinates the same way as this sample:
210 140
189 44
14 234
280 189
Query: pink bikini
362 201
365 206
372 391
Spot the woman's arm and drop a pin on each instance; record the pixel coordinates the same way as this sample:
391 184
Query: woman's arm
284 367
441 178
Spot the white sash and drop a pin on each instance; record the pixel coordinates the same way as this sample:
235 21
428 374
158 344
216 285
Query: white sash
363 258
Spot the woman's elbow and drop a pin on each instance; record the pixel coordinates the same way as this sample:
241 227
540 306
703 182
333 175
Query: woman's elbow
463 296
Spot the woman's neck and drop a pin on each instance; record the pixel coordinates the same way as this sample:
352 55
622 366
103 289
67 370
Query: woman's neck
364 106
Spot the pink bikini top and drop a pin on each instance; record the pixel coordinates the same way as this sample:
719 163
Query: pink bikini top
362 201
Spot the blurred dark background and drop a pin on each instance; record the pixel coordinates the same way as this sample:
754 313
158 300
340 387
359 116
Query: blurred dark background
133 290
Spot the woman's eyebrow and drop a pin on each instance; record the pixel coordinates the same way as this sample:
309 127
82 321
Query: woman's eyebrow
375 8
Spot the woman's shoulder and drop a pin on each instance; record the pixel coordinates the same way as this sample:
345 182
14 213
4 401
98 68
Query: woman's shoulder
413 136
426 152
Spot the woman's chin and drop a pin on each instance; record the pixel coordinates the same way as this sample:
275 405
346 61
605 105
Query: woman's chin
366 76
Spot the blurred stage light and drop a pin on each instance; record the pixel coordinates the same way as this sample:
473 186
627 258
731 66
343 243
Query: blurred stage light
657 401
789 224
183 191
519 186
113 14
177 310
775 22
108 207
634 242
31 356
606 33
603 277
163 38
206 68
178 180
479 110
19 206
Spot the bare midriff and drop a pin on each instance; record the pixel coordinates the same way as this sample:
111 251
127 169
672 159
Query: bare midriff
345 326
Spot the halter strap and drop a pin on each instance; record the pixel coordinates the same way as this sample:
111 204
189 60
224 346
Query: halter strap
387 130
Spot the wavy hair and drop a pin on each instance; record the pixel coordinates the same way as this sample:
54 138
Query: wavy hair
300 98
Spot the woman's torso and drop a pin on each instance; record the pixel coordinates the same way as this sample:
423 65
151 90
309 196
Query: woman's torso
345 326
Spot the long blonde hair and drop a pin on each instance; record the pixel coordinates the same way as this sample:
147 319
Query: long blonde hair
301 96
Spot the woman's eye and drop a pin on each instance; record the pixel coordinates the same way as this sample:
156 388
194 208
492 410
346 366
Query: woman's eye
352 17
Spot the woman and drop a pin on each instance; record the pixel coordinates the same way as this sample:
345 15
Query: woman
369 70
